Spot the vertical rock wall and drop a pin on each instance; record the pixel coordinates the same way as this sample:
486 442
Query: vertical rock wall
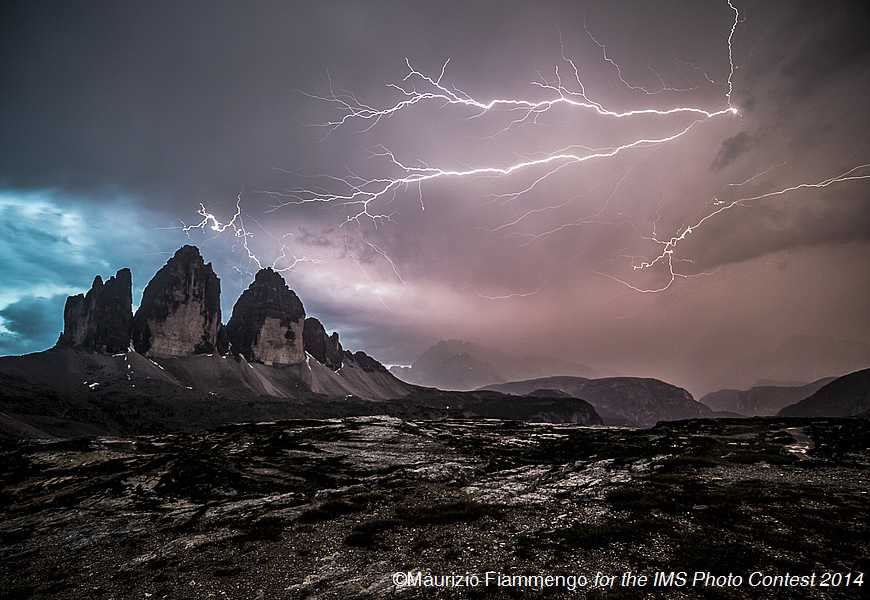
102 319
324 348
180 312
267 322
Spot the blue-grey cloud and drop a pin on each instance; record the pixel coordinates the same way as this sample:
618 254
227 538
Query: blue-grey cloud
31 323
53 244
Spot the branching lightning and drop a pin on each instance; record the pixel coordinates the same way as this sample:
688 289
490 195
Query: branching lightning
363 198
669 246
237 227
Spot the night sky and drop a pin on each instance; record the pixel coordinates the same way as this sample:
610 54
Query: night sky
119 119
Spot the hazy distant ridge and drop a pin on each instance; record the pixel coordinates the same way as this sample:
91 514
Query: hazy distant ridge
846 396
762 400
459 365
620 400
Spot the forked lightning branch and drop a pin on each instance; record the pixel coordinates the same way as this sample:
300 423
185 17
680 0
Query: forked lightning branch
361 198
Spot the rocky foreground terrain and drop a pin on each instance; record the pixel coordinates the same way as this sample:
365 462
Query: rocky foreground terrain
333 508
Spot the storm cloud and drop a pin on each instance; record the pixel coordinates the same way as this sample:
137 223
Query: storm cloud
31 322
120 119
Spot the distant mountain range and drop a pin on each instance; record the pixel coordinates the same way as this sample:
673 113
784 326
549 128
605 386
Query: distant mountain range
175 365
632 401
799 358
541 405
458 365
847 396
762 400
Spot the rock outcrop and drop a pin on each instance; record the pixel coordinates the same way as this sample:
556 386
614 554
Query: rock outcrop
325 349
178 329
323 509
180 312
365 362
846 396
267 322
101 319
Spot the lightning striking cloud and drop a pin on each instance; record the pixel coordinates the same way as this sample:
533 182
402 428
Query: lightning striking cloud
286 259
363 199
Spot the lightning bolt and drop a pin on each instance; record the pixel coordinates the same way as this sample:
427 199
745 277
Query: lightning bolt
731 51
363 198
669 246
236 226
367 198
514 295
663 87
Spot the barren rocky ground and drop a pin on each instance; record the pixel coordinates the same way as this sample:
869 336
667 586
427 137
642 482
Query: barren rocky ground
333 508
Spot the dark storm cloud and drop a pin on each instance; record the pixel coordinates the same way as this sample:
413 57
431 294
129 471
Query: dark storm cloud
318 239
120 117
838 218
53 245
156 97
194 101
31 322
830 42
731 149
812 47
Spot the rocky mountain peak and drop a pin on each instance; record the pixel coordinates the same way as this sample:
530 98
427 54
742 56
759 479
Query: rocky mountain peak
269 276
366 362
324 348
101 319
267 321
180 312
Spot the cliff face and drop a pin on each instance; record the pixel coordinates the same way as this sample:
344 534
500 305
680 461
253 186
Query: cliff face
267 322
180 312
324 348
178 327
102 319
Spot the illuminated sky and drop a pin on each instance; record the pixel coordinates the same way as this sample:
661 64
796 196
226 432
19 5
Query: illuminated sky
119 119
